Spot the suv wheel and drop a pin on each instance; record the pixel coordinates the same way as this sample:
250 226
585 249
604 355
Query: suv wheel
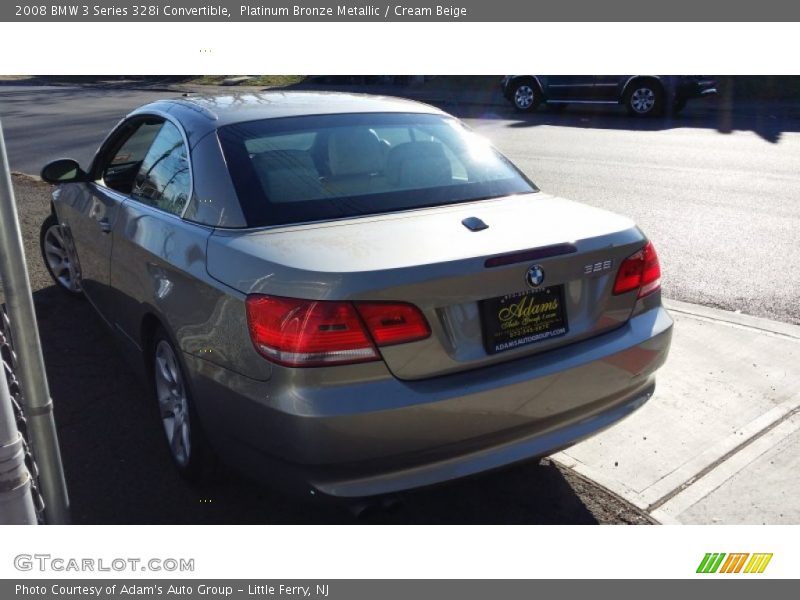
644 98
525 96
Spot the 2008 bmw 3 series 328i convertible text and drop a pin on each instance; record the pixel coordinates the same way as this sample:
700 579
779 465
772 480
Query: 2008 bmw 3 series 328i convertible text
352 294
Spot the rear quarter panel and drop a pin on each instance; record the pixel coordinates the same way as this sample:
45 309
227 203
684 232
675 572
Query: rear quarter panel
159 268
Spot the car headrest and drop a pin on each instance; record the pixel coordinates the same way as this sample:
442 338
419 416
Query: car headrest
418 164
288 175
354 151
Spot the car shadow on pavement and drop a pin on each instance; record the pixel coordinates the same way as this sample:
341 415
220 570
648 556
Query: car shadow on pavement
768 120
118 471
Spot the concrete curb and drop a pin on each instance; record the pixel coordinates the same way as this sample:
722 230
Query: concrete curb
678 483
734 318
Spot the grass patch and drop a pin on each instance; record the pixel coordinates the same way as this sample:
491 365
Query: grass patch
259 80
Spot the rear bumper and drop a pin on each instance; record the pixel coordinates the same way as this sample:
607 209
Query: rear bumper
378 434
360 482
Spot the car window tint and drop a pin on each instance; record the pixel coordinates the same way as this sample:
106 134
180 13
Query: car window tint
163 179
120 167
457 166
293 141
135 147
301 169
394 135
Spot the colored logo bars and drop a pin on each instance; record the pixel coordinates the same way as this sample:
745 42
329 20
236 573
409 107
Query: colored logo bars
734 563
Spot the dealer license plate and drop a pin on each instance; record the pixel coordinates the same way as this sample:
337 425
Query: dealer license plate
523 318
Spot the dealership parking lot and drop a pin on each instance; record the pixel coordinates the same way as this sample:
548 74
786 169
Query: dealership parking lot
719 195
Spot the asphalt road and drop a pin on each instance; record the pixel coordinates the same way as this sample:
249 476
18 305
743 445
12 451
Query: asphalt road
717 190
718 193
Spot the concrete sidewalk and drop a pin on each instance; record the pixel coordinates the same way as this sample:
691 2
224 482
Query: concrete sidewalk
720 440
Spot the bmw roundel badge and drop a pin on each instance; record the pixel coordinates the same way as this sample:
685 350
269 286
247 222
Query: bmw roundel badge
535 276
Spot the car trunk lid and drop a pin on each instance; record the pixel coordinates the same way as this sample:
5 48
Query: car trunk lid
460 276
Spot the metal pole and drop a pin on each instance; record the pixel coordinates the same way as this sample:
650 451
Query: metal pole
16 499
37 406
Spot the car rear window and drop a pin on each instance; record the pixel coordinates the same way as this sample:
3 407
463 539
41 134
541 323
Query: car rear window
300 169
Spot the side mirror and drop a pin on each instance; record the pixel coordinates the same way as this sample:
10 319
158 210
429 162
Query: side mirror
63 170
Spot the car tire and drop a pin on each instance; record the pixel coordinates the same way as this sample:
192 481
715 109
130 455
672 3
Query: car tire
59 257
645 98
525 96
183 434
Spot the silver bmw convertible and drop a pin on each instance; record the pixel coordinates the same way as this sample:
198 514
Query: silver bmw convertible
353 295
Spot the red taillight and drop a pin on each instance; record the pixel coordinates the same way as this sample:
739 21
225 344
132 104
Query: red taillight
640 270
651 273
305 333
393 323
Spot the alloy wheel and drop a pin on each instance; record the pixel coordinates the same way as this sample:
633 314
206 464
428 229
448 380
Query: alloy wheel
173 403
523 97
59 259
643 100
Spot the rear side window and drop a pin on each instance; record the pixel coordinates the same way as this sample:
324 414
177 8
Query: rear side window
300 169
163 180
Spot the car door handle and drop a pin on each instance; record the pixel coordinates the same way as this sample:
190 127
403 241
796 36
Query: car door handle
105 226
